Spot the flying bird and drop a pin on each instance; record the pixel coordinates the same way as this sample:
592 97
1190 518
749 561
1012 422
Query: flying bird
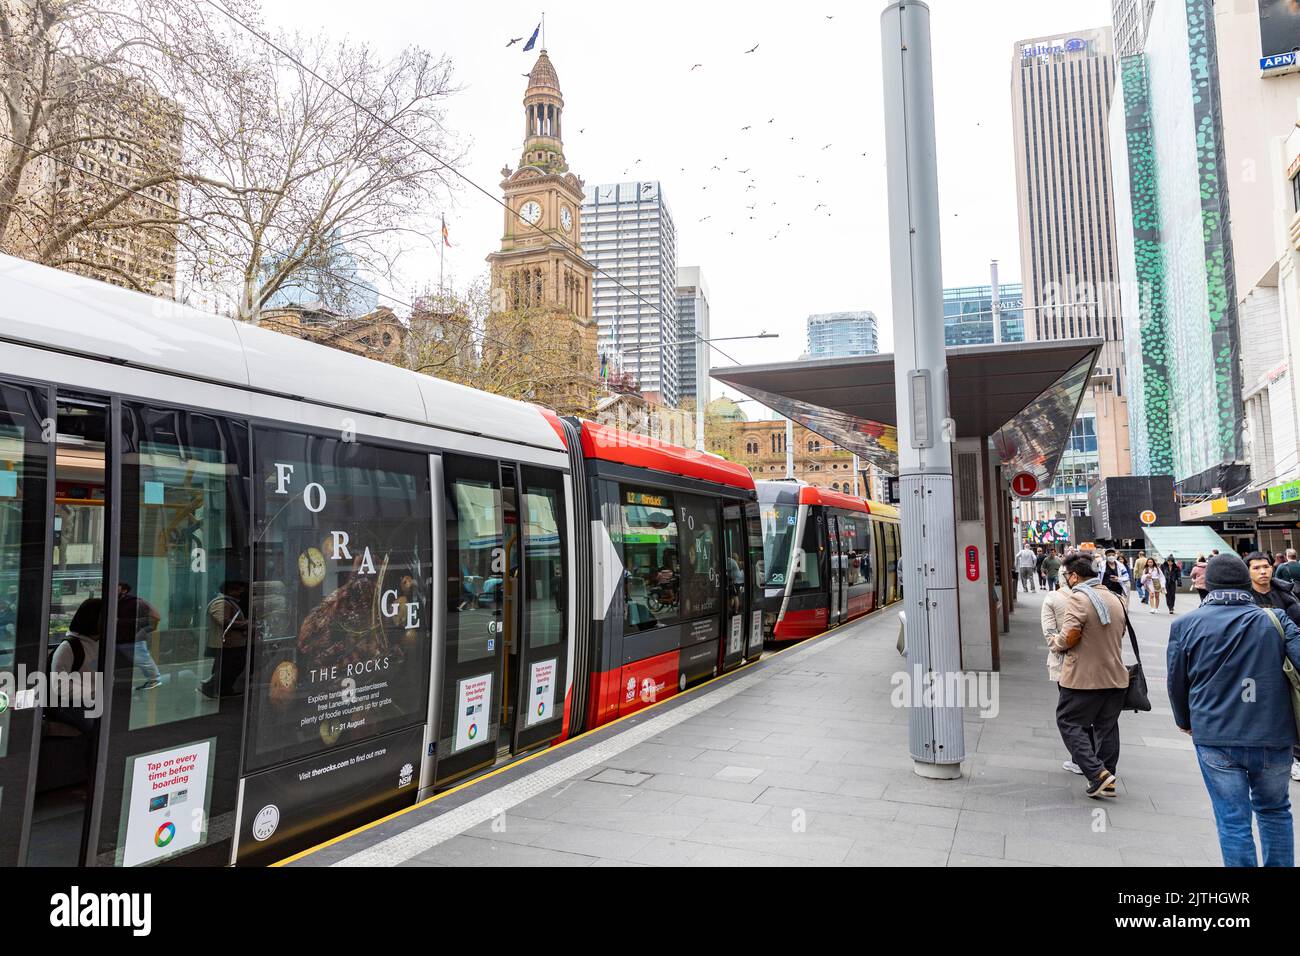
772 120
706 217
719 168
743 128
695 67
514 41
827 146
752 48
743 171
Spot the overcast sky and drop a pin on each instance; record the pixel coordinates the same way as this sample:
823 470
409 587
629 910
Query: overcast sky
631 95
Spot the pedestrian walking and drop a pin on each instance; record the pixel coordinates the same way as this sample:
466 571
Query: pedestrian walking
1051 569
1052 620
1110 573
1173 575
1290 571
1152 584
1093 679
1039 555
1270 590
1243 741
1267 590
1125 581
1139 570
1198 576
1025 561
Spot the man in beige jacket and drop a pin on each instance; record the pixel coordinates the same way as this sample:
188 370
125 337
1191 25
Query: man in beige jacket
1093 676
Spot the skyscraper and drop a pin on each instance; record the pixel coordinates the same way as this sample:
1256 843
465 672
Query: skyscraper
1061 89
1131 19
629 235
1207 206
692 328
968 314
835 334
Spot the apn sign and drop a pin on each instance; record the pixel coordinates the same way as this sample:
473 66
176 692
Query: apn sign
1278 62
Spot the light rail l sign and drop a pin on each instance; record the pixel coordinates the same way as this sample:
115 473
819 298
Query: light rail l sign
1025 485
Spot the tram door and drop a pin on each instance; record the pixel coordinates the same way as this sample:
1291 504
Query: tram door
26 530
835 570
504 654
53 535
737 606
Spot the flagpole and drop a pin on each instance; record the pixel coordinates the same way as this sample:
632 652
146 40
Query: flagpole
543 29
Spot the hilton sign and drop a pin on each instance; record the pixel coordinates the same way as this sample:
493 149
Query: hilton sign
1056 47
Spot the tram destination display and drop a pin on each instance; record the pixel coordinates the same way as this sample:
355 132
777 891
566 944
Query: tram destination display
340 598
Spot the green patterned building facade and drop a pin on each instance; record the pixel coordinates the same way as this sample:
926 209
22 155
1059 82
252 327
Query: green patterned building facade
1141 269
1179 298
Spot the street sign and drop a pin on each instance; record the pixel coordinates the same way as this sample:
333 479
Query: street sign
1024 484
1147 517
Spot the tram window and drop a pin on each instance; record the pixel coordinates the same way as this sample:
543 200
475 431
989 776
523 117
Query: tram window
182 610
544 557
341 651
778 530
807 559
855 539
477 599
652 575
893 552
697 519
754 534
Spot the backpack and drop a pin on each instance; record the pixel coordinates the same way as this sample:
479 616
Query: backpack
78 655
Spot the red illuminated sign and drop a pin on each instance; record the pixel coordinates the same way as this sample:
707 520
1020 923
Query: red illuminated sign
1024 484
972 563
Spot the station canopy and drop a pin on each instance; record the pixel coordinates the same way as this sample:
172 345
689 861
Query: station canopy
1184 541
1023 396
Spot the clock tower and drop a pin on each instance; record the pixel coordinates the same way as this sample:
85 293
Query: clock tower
541 281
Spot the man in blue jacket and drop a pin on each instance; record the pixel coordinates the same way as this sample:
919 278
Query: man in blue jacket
1228 692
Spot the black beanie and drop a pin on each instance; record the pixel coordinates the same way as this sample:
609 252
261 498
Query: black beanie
1227 571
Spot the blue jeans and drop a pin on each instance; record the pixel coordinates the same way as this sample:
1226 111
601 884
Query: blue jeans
1246 779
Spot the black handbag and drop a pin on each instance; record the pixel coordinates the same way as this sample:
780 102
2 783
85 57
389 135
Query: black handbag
1135 698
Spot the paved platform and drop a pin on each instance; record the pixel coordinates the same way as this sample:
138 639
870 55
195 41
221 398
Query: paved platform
801 759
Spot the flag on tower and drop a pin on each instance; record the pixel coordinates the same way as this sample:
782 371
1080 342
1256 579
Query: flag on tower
445 240
532 39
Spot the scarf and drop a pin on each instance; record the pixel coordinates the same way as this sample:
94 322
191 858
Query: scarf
1089 589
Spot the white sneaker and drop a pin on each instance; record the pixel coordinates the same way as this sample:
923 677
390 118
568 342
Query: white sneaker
1295 770
1073 767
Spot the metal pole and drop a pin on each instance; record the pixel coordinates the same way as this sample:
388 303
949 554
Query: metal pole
855 474
996 304
925 431
701 380
789 448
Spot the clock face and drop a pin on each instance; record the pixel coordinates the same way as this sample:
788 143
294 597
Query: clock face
566 219
531 211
